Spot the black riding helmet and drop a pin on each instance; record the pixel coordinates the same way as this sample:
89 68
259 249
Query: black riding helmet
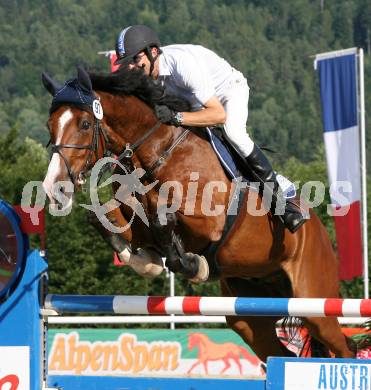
134 39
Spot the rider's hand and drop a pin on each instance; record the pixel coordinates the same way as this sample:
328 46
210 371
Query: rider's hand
168 116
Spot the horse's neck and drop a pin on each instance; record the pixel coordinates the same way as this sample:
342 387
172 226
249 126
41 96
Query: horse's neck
204 340
129 119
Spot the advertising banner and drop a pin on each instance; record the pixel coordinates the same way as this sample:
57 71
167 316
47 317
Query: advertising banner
151 352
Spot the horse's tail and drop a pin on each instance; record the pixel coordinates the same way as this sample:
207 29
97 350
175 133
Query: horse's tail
305 344
317 349
252 359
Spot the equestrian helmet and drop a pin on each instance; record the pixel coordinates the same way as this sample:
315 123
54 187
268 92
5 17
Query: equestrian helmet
132 40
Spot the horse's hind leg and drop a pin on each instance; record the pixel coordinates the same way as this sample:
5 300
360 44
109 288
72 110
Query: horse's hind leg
313 274
328 332
260 334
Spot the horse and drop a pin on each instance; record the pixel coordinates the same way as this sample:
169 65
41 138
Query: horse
211 351
257 257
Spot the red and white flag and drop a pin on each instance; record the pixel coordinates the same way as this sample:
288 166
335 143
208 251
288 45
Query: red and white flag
112 58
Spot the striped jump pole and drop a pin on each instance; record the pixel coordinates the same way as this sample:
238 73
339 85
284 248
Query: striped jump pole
283 307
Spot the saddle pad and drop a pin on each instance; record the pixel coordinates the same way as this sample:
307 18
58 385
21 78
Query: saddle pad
232 171
224 155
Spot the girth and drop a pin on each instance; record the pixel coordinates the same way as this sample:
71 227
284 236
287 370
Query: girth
211 251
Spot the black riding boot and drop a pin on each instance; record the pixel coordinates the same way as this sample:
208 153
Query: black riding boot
262 171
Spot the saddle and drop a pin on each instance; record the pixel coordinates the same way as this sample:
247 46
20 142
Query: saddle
229 158
232 161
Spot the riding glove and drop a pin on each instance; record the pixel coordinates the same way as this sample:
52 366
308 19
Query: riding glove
168 116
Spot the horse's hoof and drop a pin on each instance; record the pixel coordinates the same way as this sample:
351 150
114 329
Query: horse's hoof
203 270
145 262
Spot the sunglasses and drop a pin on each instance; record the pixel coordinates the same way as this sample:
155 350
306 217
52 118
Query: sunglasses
136 59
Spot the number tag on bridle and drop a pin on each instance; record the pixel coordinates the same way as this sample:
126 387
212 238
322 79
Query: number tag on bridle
97 109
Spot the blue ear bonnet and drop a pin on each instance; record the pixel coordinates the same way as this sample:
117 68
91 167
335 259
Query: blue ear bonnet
72 93
77 91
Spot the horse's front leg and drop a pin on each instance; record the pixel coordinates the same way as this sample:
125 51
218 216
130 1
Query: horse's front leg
169 243
145 262
195 364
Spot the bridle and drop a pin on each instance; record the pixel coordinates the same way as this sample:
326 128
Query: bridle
98 133
125 157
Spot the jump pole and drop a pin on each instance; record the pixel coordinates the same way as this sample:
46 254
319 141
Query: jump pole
208 306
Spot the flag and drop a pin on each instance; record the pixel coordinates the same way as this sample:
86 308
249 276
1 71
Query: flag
112 58
338 90
33 226
117 261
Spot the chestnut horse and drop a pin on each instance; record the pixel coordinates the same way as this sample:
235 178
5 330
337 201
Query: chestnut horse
209 351
257 257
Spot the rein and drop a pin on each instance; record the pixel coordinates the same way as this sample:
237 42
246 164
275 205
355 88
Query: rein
129 150
127 155
165 154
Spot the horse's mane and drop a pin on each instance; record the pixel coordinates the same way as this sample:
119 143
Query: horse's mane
135 82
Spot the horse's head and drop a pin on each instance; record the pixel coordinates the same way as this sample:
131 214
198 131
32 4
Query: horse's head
77 138
193 340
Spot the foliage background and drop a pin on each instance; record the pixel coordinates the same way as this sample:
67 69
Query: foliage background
271 42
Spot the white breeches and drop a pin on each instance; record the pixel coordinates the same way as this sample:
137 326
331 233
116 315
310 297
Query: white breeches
235 100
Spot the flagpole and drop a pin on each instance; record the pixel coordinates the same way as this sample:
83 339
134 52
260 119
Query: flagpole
172 293
363 171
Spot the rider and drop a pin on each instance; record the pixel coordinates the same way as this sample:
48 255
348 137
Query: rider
218 94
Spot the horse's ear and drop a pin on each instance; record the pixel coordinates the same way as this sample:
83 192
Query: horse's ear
84 79
51 85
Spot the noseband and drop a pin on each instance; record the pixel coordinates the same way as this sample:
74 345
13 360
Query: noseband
93 147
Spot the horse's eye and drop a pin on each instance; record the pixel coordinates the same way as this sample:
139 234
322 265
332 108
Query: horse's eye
85 125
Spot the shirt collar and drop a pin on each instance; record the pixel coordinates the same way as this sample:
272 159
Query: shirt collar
163 67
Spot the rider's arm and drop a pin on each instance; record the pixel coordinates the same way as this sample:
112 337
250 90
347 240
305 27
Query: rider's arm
212 114
193 75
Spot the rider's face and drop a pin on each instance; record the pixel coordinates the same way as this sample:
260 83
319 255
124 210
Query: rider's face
140 61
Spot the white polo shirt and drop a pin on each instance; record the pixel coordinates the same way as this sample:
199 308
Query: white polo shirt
194 73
